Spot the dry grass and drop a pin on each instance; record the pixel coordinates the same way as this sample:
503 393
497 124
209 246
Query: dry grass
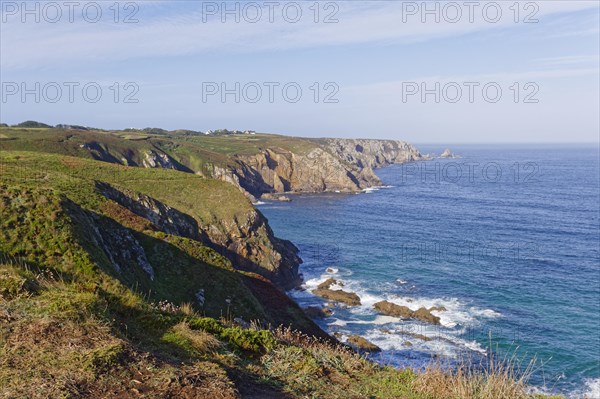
201 341
499 381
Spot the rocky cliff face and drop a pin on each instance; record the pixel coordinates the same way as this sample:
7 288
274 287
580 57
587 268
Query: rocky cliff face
373 153
246 240
344 165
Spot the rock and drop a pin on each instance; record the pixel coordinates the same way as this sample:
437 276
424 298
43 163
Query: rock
362 344
331 270
425 315
316 312
328 283
437 309
391 309
241 322
419 336
407 344
200 297
275 197
447 154
349 298
155 159
385 331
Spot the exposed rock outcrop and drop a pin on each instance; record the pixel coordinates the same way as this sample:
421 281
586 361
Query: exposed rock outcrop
155 159
247 241
447 154
165 218
349 298
394 310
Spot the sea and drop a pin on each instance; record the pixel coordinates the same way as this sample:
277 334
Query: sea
505 237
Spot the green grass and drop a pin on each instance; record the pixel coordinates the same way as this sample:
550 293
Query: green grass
195 153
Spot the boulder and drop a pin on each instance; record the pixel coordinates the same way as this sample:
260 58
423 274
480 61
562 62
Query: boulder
349 298
425 315
328 283
391 309
362 344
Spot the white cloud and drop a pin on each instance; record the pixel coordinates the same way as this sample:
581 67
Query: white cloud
184 32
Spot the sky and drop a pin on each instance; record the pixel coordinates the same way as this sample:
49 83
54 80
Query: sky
427 72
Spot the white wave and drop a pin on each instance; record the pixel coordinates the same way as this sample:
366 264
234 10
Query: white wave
370 190
378 321
444 344
590 391
338 322
401 282
260 203
456 314
487 313
446 339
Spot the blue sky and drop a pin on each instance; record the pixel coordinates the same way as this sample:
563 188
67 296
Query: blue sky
367 61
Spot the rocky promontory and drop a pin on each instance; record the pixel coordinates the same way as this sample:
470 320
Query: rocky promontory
344 165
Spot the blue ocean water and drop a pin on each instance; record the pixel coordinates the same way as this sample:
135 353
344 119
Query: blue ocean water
507 238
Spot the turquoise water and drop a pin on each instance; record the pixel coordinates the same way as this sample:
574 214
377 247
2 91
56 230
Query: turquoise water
505 237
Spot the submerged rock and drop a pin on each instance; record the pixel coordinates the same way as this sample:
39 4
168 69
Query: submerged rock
362 344
317 312
419 336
